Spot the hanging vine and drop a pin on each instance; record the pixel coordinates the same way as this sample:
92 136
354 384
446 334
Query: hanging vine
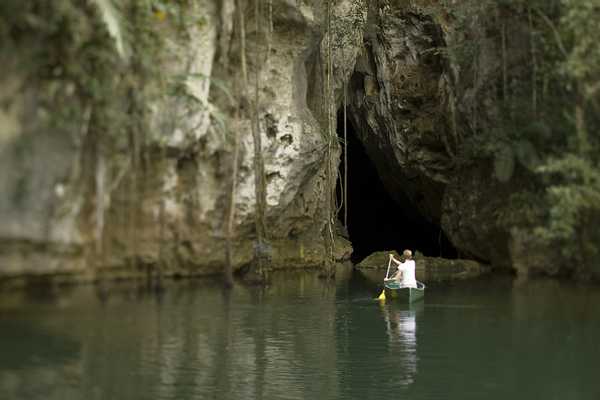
269 26
345 188
231 207
330 182
228 273
259 168
534 72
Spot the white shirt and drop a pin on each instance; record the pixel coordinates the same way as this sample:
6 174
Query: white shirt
408 273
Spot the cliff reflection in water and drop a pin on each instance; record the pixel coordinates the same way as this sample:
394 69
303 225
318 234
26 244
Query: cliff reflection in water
192 340
302 338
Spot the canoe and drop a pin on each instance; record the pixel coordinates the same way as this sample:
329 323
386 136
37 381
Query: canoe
395 290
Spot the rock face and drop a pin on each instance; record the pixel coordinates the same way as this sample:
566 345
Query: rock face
470 208
412 108
378 260
137 176
116 142
399 96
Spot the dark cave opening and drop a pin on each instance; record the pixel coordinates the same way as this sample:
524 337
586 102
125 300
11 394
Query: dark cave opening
375 221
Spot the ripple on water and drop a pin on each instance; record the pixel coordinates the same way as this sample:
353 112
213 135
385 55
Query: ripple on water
472 340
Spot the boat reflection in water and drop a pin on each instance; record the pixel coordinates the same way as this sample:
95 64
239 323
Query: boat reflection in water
401 326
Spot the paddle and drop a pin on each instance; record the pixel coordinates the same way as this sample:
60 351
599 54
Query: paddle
382 295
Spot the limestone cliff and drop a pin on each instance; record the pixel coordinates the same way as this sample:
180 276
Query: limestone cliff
116 129
116 138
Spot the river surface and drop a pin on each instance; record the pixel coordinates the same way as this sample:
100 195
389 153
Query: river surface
302 338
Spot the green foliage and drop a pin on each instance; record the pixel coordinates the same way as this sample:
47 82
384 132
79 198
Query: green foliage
572 176
573 193
507 149
538 113
526 209
579 29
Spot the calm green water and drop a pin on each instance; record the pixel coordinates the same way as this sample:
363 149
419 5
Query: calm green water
303 339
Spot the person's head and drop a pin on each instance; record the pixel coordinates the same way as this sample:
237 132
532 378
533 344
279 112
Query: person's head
407 254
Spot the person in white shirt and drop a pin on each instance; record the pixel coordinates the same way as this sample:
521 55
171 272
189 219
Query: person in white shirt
405 275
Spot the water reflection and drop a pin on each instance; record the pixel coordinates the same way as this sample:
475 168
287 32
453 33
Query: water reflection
401 329
36 363
303 338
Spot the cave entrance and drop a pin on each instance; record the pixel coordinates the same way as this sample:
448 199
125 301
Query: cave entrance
375 221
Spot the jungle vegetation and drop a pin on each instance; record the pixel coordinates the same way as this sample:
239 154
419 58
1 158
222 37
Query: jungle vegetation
547 94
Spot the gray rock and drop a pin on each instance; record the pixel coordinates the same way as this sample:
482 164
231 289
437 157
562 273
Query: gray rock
378 260
428 269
